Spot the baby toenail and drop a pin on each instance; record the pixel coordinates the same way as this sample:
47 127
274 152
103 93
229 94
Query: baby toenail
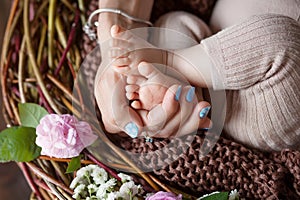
178 93
203 113
190 95
132 130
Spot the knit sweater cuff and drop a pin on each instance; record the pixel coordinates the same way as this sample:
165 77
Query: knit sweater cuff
228 50
217 59
242 54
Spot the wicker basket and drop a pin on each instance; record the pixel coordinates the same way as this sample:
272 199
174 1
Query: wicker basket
40 60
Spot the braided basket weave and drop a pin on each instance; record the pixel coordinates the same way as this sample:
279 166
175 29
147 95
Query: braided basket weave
42 70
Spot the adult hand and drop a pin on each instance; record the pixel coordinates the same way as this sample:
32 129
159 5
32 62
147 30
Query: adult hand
109 92
179 114
170 118
109 89
116 114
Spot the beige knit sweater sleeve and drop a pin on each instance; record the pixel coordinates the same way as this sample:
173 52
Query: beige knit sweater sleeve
259 65
253 51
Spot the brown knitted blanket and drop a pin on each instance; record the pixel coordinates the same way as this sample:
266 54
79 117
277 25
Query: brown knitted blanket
228 165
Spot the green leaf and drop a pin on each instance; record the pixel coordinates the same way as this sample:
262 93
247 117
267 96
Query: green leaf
74 164
18 144
31 114
216 196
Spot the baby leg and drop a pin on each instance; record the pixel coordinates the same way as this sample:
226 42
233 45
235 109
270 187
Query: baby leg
179 30
229 12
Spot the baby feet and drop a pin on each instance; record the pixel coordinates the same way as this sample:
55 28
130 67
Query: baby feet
167 106
148 88
133 48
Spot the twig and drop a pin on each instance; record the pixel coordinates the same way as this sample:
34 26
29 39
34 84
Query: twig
60 172
77 86
55 191
163 186
86 162
68 5
44 100
42 184
15 111
26 80
15 91
30 180
69 43
62 88
61 29
44 194
11 23
21 71
70 107
32 59
21 68
82 10
51 18
41 45
5 96
48 178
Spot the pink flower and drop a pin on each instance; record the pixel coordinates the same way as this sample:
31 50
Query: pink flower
164 196
63 136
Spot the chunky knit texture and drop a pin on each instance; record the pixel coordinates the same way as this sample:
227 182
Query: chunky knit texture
229 165
259 62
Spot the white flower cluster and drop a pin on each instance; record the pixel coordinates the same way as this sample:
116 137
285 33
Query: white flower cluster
93 183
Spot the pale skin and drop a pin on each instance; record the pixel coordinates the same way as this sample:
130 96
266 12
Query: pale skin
152 92
115 122
197 67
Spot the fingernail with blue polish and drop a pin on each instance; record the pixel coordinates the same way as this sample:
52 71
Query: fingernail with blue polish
203 113
204 129
178 93
190 95
132 130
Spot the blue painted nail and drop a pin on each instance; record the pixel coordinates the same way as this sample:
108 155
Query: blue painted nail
204 129
190 95
203 113
132 129
178 93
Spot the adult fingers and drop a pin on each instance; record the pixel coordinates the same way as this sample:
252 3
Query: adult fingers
162 113
125 117
187 101
198 119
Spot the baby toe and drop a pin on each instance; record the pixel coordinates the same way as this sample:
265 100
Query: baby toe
135 80
148 70
136 105
132 88
120 32
132 95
